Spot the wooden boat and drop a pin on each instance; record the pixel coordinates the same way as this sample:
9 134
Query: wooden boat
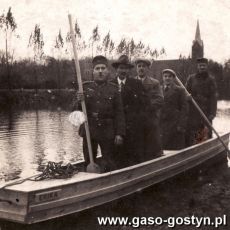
36 201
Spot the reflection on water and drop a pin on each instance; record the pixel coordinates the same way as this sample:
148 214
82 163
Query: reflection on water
29 139
32 138
222 121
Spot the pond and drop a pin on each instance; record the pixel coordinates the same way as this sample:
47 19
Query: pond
29 139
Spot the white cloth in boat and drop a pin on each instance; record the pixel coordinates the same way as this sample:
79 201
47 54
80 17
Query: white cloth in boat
76 118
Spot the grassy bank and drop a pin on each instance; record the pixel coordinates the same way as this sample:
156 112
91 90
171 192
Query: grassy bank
42 99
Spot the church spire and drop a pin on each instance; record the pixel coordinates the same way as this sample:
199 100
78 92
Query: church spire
197 36
198 46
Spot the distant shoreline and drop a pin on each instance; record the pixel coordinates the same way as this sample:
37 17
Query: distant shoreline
40 99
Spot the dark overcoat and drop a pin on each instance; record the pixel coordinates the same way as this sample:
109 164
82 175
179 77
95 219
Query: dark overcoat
174 118
134 101
203 89
152 140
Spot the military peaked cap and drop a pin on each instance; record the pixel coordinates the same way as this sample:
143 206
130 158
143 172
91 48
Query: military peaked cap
202 60
99 60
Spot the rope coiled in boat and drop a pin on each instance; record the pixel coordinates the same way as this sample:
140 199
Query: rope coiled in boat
52 170
55 170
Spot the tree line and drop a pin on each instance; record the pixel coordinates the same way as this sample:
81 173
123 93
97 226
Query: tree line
57 70
42 70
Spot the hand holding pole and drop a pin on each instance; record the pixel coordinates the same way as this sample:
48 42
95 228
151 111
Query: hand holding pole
92 167
202 114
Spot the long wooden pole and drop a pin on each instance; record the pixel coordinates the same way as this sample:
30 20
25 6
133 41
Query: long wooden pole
203 115
92 167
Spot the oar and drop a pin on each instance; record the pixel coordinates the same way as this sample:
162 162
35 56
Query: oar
203 115
92 167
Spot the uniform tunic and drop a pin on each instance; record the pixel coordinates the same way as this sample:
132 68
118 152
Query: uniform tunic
152 140
106 119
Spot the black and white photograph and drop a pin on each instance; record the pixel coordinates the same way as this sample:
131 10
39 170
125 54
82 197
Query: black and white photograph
114 114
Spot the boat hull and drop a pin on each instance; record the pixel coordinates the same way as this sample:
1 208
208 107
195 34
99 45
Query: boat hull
43 200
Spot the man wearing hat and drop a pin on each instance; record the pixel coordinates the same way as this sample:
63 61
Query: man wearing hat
133 99
202 87
105 114
152 141
174 112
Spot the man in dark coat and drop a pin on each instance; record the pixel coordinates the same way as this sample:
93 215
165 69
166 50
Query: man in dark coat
105 115
152 141
133 99
174 113
202 87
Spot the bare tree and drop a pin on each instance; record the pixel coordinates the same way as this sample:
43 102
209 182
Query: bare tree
106 43
8 26
162 52
77 32
80 44
77 29
59 46
132 47
121 48
37 43
111 48
59 42
147 51
99 49
139 48
94 38
155 53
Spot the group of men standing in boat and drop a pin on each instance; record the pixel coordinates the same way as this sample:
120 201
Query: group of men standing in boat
132 118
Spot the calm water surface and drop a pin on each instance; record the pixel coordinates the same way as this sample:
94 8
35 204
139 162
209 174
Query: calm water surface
29 139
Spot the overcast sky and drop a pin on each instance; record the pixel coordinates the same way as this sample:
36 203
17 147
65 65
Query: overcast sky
161 23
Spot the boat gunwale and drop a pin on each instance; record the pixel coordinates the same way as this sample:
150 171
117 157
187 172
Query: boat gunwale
133 180
201 153
103 175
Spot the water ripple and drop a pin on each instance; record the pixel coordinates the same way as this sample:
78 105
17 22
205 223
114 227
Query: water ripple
29 139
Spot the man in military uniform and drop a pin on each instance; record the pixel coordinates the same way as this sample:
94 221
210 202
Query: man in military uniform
105 114
202 87
133 99
174 113
152 141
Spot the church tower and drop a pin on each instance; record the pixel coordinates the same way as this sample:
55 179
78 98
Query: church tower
197 46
